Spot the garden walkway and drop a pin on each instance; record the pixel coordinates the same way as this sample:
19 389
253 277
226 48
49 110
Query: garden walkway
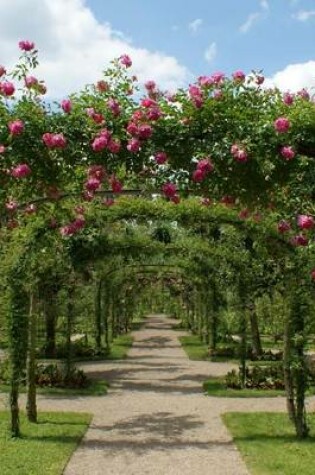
155 419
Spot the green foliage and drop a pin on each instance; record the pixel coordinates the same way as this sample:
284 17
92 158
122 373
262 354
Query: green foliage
268 444
258 377
48 444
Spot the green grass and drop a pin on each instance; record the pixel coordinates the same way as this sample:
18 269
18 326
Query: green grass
44 447
195 349
120 347
216 387
268 445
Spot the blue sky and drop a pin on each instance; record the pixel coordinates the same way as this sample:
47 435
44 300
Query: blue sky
248 34
170 41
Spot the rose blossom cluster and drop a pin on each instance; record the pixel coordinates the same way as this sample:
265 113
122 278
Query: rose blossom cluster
239 153
305 221
97 117
104 140
21 171
152 90
287 152
204 167
151 112
52 140
125 60
114 107
196 95
73 227
139 129
170 191
95 177
160 158
26 45
7 88
16 127
282 125
238 76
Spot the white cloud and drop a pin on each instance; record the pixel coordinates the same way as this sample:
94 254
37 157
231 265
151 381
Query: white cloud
264 4
211 52
304 15
251 19
195 25
75 47
294 77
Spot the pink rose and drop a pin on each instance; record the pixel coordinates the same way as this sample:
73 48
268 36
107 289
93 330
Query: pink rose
54 140
114 145
196 95
147 102
125 60
26 45
304 94
205 165
132 128
115 184
31 81
145 131
169 189
7 88
238 76
92 184
114 106
102 86
2 149
198 175
241 156
205 81
282 125
66 105
21 171
259 79
16 127
59 141
218 77
154 113
150 85
283 226
160 158
305 222
97 171
99 143
288 98
299 240
133 145
287 152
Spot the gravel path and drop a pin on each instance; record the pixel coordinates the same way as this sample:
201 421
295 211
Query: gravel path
155 419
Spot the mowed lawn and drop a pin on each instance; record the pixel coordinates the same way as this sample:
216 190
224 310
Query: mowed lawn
268 444
44 448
